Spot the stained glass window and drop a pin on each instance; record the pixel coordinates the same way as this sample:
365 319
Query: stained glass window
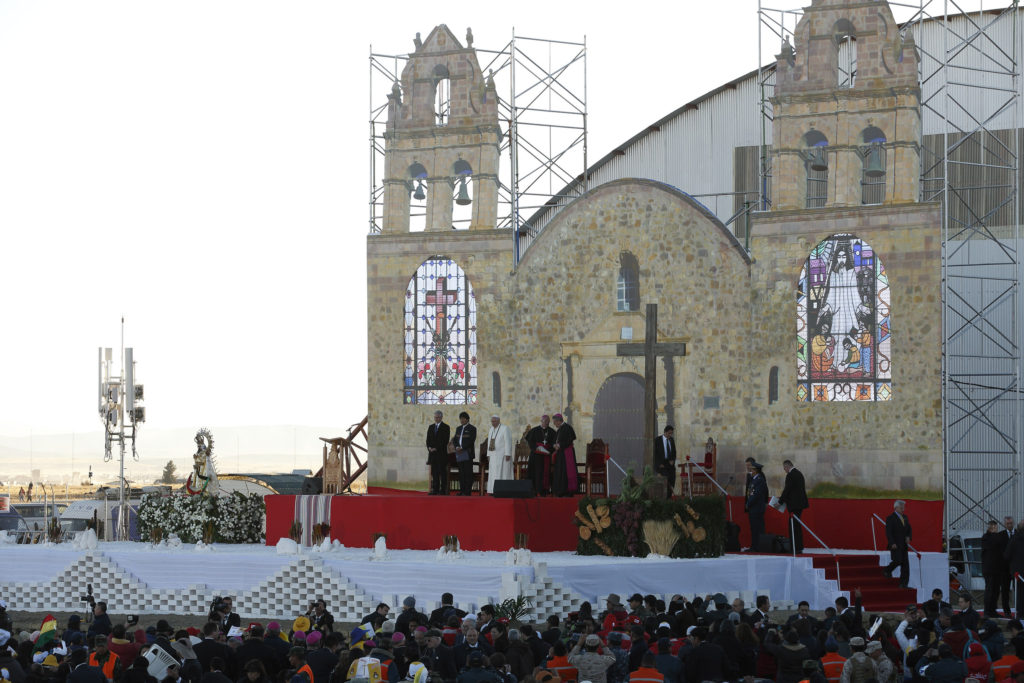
440 335
843 346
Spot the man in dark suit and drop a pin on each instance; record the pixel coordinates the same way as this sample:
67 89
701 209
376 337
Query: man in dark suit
993 547
665 457
1014 556
209 648
898 534
1005 581
216 672
794 497
438 435
757 501
465 444
439 617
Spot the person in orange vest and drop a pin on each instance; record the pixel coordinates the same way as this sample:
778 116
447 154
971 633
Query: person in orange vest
647 673
1002 667
832 662
103 658
297 660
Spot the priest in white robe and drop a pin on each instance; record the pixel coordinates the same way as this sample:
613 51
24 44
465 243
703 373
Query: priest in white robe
500 447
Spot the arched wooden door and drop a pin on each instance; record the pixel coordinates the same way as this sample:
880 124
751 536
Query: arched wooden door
619 421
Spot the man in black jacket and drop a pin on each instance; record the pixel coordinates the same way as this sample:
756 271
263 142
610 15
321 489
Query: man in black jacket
1015 558
438 435
438 657
706 661
409 613
439 617
209 648
81 672
898 534
255 647
665 457
542 443
993 546
757 501
794 497
465 447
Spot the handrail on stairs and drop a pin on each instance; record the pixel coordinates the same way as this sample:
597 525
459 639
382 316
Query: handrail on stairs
874 544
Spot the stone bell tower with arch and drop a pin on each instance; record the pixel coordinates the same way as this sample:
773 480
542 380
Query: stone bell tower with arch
847 112
442 136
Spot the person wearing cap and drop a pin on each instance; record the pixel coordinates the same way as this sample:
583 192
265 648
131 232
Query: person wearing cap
636 606
859 667
541 440
409 613
757 502
105 660
297 661
885 669
472 643
978 664
812 672
500 447
277 643
382 652
438 657
464 442
438 434
832 662
563 468
590 664
670 666
614 616
619 671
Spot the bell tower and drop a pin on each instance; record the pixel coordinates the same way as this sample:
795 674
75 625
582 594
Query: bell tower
442 137
847 126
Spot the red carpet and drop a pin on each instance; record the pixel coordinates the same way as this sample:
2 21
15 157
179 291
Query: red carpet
879 594
846 524
414 520
419 522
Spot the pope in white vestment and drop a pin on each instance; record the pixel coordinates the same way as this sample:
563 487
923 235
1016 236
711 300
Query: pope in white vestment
500 448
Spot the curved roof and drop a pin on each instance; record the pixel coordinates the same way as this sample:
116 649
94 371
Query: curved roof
674 192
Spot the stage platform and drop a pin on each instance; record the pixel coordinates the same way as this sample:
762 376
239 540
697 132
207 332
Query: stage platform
414 520
137 577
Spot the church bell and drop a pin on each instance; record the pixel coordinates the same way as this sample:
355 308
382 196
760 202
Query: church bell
463 197
875 167
818 159
419 194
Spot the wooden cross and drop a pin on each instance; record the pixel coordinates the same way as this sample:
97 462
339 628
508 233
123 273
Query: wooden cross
650 349
441 299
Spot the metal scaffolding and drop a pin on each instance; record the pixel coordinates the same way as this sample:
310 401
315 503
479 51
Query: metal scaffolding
970 102
543 120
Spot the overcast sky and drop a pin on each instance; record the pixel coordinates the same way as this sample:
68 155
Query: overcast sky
201 167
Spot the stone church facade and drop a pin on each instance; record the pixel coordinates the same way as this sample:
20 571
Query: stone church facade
821 344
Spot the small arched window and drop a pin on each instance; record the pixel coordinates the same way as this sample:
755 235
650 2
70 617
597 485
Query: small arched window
816 167
845 37
442 95
773 384
627 287
496 388
873 161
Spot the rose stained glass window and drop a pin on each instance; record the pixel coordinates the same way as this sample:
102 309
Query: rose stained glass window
440 335
844 349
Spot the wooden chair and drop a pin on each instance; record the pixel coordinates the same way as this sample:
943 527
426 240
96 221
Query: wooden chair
521 459
596 469
701 484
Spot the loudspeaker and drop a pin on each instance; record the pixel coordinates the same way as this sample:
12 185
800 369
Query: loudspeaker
783 545
732 537
312 486
513 488
765 544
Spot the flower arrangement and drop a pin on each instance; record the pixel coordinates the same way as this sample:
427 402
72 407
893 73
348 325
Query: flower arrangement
236 518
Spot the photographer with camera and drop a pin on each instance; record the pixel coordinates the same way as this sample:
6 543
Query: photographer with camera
319 618
221 612
101 624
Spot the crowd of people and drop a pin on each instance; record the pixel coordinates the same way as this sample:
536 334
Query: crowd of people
642 640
